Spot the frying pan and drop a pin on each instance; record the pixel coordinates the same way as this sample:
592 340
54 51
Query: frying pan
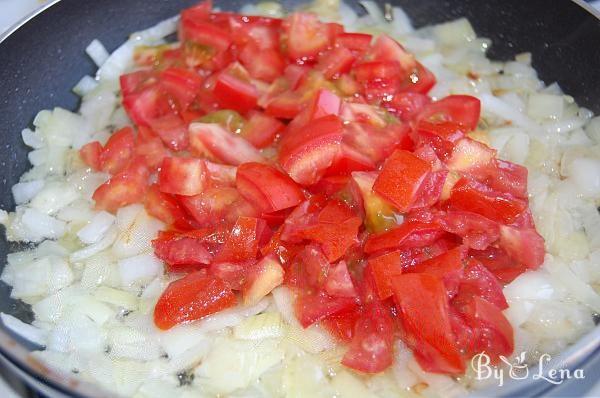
42 59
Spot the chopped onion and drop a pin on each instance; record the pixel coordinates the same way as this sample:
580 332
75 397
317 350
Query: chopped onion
42 226
96 51
97 228
85 85
585 173
563 276
103 244
139 269
32 139
116 297
545 106
23 192
24 330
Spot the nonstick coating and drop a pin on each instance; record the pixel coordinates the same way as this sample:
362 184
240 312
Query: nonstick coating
41 61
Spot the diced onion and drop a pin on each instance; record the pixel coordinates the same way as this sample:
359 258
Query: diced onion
96 51
97 228
27 331
23 192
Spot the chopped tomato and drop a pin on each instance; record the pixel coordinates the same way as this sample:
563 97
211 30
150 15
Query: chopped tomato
306 36
233 93
181 84
407 106
407 235
182 176
267 188
477 198
206 34
118 151
306 155
383 269
247 236
191 298
341 326
213 140
339 283
172 131
262 278
423 306
477 231
359 42
499 263
147 104
478 281
371 349
469 155
311 308
261 129
449 267
181 252
151 150
525 246
337 61
400 179
165 207
127 187
421 80
387 49
217 205
90 154
265 64
461 109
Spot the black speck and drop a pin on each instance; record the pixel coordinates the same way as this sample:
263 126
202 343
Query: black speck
185 378
75 371
107 349
596 318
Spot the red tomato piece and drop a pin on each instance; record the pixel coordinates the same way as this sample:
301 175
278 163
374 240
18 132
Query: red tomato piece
165 207
477 198
172 131
233 274
182 176
247 236
267 188
387 49
505 177
306 35
311 308
181 253
469 155
214 140
477 231
90 154
400 179
307 154
525 246
359 42
261 279
431 189
206 34
147 104
261 129
339 283
335 212
199 12
349 160
479 281
335 62
499 263
387 72
131 82
181 84
217 205
371 349
151 149
409 234
262 64
462 109
118 151
286 105
423 307
491 331
420 81
407 106
233 93
191 298
127 187
448 266
383 269
341 326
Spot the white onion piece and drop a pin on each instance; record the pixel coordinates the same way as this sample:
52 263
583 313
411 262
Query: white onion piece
116 297
28 332
96 51
97 228
23 192
562 275
443 385
374 11
585 173
32 139
89 251
505 111
230 317
85 85
139 269
42 226
545 106
54 196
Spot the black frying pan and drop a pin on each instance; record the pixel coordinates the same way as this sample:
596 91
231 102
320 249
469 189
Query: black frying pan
42 60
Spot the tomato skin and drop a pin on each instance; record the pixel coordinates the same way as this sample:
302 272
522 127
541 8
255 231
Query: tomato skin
191 298
479 281
172 131
90 154
247 236
406 235
477 231
507 177
118 151
448 267
371 349
233 93
261 129
306 36
423 307
217 205
206 34
127 187
181 253
337 61
165 207
477 198
525 246
462 109
383 269
267 188
182 176
311 308
424 82
306 155
400 179
354 41
214 140
385 72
